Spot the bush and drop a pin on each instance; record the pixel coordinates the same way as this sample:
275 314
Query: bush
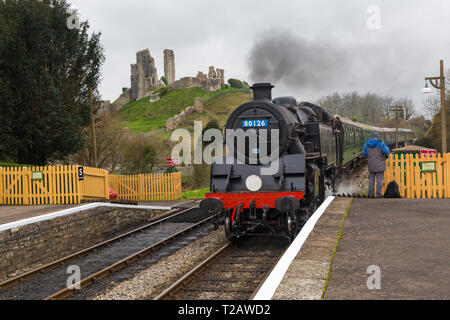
235 83
162 91
213 124
164 80
187 182
201 175
170 170
139 155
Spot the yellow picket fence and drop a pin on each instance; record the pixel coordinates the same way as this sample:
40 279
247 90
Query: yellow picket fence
64 185
143 187
51 185
419 177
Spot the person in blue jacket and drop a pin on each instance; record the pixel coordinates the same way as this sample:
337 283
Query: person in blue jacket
376 152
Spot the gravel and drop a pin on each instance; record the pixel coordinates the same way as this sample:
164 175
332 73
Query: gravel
150 282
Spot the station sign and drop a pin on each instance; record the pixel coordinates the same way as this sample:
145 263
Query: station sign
172 162
37 175
431 153
429 166
80 173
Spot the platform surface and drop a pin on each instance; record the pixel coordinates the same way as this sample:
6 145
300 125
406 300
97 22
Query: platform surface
15 213
306 275
408 239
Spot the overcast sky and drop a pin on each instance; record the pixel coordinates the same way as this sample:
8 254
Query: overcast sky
305 48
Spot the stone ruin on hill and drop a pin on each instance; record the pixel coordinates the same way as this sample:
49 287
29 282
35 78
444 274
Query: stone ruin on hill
214 81
169 66
176 120
144 78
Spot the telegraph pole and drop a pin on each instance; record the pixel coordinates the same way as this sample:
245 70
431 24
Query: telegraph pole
397 110
94 142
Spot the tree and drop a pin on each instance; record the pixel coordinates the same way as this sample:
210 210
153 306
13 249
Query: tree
235 83
111 139
139 155
47 66
408 105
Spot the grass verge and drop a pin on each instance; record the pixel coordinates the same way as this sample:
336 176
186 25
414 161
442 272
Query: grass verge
195 194
335 248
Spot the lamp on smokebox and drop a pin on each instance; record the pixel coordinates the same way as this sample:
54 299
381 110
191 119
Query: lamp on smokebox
439 83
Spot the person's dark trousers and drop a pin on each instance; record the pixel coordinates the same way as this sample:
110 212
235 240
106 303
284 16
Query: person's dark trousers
379 177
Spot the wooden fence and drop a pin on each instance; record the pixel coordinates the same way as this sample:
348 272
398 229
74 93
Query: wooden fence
62 185
51 185
142 187
419 177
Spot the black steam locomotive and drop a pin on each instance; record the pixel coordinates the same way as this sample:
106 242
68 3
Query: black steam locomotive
278 196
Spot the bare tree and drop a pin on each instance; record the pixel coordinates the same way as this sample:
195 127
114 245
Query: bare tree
408 105
433 104
387 102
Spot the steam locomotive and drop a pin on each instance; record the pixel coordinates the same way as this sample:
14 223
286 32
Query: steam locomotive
258 197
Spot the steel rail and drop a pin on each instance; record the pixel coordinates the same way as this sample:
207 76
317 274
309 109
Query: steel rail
191 275
13 281
64 293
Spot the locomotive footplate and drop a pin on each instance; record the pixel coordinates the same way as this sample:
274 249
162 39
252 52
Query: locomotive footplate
256 213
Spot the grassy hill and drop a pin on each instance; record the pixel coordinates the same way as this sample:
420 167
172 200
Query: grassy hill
149 118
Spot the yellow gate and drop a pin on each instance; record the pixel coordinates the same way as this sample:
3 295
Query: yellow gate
419 177
147 187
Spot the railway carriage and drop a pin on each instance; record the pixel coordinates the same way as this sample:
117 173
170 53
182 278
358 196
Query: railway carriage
299 138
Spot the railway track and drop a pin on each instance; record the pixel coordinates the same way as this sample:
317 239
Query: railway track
104 259
235 271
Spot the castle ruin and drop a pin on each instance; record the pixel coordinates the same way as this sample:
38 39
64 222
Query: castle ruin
169 66
144 77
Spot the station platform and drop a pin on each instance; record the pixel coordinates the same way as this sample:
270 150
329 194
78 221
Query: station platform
334 256
15 213
408 239
10 214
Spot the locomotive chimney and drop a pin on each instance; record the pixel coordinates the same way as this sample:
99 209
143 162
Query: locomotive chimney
262 91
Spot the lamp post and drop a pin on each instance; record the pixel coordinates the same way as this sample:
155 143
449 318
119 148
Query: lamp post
439 83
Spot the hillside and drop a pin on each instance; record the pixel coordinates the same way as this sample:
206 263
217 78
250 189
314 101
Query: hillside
149 118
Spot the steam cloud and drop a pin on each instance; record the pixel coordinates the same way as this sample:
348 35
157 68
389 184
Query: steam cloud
283 58
322 67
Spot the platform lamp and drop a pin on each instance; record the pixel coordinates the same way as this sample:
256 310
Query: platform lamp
439 83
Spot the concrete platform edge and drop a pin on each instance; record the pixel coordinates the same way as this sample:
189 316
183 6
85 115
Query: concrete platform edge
272 282
60 213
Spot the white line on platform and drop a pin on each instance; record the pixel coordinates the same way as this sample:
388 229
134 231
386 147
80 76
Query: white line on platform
64 212
272 282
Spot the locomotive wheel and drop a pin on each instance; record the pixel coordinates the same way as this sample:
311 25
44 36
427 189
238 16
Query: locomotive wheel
322 186
291 226
227 224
